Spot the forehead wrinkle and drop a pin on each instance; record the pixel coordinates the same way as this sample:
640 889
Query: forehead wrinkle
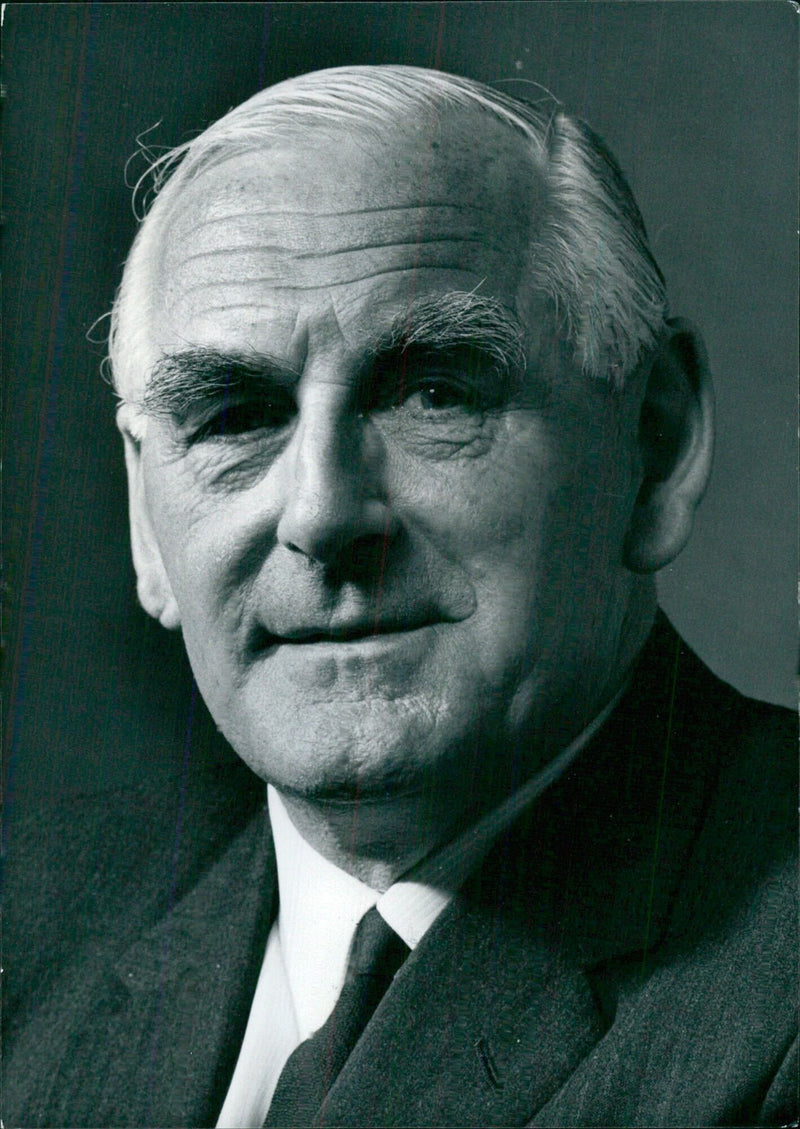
301 213
371 245
244 249
456 268
421 241
301 235
278 278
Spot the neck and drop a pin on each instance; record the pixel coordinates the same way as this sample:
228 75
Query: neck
374 841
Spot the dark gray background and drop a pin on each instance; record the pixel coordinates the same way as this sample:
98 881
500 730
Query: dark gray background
698 100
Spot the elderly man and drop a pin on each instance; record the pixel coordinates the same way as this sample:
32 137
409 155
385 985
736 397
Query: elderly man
408 434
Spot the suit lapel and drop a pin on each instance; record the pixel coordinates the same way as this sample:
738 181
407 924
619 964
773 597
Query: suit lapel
165 1032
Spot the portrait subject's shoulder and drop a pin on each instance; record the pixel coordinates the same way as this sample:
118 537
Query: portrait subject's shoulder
743 869
748 748
97 867
759 780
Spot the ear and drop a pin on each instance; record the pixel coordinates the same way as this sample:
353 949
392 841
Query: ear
152 584
676 440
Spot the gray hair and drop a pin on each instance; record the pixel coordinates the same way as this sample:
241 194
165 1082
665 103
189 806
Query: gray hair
590 256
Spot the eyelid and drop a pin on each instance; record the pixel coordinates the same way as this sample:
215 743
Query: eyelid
201 422
392 379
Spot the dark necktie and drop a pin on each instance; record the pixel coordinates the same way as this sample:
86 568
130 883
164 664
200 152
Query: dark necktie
375 955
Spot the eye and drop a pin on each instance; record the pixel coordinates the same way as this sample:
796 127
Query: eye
442 393
431 382
239 419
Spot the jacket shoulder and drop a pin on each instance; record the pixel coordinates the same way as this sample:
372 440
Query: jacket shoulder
95 869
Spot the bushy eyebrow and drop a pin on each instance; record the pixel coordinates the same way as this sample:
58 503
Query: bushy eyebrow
457 320
442 324
180 382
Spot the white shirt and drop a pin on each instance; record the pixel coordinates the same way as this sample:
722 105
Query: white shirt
320 906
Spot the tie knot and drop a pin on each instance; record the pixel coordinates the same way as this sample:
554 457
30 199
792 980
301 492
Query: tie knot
376 949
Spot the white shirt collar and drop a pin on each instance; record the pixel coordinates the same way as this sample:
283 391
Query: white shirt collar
320 907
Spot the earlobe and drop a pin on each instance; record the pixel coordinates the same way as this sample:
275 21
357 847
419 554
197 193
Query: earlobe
676 439
152 584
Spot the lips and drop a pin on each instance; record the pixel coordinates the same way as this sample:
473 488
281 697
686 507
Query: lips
346 632
353 631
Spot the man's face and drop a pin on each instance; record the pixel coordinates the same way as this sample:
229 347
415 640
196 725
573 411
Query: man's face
397 571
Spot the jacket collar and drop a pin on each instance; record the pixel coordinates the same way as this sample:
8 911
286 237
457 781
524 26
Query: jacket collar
483 1024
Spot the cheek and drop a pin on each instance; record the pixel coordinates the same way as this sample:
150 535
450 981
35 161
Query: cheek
484 500
486 520
538 527
182 528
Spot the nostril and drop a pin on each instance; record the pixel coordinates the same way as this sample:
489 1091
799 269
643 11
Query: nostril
323 532
362 560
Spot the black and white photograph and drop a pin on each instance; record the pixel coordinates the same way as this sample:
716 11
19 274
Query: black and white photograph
400 562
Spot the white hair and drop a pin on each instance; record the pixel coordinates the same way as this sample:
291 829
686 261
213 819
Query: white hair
589 257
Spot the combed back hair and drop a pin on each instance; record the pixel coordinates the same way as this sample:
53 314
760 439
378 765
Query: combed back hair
589 255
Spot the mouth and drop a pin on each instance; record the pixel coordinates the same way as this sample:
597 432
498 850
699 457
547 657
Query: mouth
360 632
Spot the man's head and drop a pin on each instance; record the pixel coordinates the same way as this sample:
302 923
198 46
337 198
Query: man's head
407 431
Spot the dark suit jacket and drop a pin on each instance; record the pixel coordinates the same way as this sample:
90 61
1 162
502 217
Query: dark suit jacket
627 956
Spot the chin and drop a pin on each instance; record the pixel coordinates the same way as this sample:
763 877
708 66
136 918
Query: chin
363 783
342 792
337 762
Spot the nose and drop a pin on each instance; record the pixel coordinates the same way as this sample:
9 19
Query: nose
333 494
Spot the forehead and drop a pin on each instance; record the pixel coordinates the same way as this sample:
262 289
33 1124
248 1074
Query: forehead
335 230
